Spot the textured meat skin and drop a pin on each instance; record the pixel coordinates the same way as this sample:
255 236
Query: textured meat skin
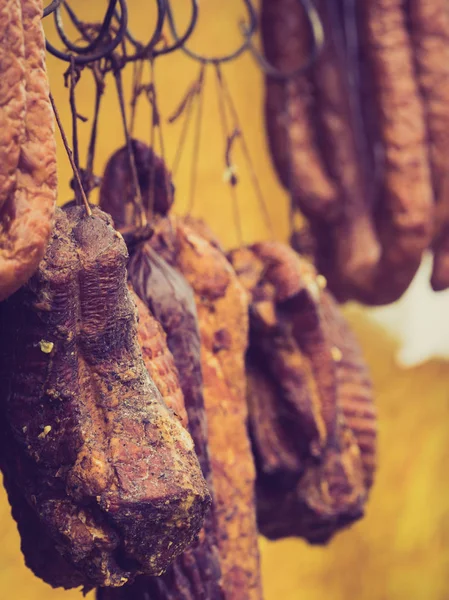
197 572
356 245
159 360
312 420
221 303
405 216
222 313
289 114
26 214
98 460
117 195
429 25
195 575
354 388
12 94
371 237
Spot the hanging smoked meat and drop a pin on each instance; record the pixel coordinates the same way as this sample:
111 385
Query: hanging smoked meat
170 300
311 415
158 359
117 193
222 308
28 181
165 294
349 141
429 26
222 315
102 478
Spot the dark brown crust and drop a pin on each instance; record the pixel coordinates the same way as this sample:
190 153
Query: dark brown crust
196 573
354 387
274 451
117 193
104 466
309 486
26 216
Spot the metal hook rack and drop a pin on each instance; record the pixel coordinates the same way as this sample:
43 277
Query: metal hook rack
114 31
110 46
100 47
250 31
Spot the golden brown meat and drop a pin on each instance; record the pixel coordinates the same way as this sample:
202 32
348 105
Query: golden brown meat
159 360
223 318
27 201
12 94
354 388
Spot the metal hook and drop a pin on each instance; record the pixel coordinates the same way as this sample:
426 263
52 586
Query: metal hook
51 8
103 51
316 27
104 29
250 30
147 50
183 39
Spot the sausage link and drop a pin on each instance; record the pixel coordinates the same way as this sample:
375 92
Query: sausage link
406 212
289 111
429 22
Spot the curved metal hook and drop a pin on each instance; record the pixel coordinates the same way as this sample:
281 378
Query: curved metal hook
250 30
100 53
51 7
104 29
316 27
183 39
147 50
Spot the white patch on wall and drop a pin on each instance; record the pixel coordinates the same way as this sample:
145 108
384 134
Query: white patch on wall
419 321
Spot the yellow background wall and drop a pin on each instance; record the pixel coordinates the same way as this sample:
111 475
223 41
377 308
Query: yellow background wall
400 551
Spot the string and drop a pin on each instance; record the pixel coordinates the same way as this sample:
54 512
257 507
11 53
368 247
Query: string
70 155
72 76
132 162
152 156
197 139
186 106
246 153
287 120
136 87
99 90
229 140
158 123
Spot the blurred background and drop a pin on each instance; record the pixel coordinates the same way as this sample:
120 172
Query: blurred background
400 550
